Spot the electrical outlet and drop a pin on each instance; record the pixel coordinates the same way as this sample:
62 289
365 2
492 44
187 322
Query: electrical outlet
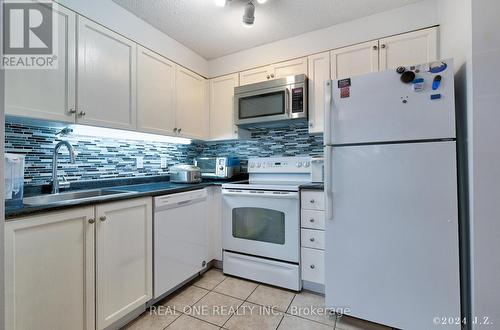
163 162
139 162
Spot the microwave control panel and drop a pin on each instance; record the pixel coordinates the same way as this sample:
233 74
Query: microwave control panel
297 99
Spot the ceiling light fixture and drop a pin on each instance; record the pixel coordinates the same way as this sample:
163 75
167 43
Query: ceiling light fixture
262 1
220 3
248 15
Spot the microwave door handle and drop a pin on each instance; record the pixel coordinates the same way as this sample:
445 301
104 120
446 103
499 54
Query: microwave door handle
287 104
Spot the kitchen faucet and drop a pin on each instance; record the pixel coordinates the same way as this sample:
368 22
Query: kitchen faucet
55 181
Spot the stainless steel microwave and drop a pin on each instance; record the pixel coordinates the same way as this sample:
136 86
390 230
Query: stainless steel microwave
271 103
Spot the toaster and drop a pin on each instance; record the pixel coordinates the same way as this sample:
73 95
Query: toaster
184 173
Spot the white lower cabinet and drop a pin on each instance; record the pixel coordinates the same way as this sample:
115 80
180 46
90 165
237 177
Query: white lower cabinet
82 268
312 238
313 265
123 258
49 271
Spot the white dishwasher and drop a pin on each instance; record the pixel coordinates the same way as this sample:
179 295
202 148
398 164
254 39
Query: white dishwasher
180 239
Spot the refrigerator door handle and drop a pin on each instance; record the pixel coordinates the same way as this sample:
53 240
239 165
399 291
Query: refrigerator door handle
328 109
328 154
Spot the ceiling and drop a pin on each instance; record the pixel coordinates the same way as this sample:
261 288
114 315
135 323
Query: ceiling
213 31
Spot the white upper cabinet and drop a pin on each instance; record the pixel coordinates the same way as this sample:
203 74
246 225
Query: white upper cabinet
47 94
49 271
289 68
255 75
222 107
354 60
155 93
106 76
124 243
319 72
277 70
409 48
191 104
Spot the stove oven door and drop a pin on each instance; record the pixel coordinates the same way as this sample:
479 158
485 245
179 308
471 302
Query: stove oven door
261 223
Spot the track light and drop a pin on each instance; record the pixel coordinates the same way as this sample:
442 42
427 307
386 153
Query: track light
248 15
220 3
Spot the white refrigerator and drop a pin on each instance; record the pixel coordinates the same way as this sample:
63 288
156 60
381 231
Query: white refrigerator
392 248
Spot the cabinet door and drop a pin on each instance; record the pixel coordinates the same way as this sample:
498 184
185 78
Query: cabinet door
49 271
289 68
106 77
222 107
354 60
319 72
410 48
155 93
47 94
191 109
123 258
256 75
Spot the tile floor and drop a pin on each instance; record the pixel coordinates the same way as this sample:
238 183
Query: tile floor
217 301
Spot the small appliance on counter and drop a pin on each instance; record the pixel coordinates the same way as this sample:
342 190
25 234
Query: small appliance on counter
14 178
218 167
184 173
317 169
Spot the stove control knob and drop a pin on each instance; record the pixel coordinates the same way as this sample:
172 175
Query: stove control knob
259 165
307 164
299 164
252 165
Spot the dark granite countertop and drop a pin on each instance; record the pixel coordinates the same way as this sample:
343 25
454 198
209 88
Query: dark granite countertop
139 187
312 186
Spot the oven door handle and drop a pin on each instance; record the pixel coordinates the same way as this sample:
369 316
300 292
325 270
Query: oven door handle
270 194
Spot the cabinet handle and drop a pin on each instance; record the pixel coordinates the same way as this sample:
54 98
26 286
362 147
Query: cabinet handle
268 76
179 131
311 220
312 239
91 220
71 111
175 130
312 201
383 46
272 75
375 47
312 266
103 218
82 113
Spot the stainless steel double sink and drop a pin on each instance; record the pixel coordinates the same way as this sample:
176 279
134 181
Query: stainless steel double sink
72 196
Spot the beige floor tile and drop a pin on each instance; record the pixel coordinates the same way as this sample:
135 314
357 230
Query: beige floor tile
236 287
215 308
271 296
296 323
153 321
186 322
311 306
250 316
186 298
210 279
350 323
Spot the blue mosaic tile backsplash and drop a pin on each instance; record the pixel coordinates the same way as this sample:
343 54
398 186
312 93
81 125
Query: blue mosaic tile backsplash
104 158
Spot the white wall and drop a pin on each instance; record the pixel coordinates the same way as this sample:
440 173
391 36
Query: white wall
122 21
408 18
2 205
485 187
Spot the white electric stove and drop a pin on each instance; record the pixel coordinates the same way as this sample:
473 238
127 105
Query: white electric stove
261 221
